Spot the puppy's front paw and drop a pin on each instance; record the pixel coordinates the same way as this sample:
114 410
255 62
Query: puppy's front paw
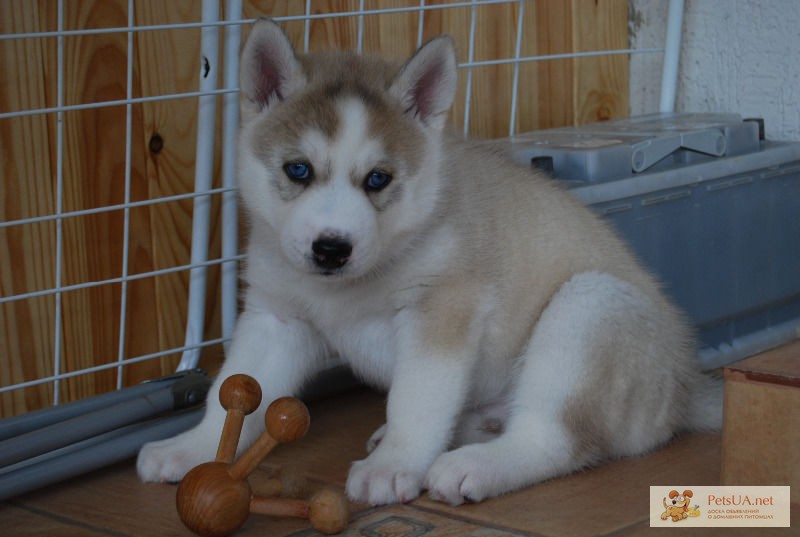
380 483
169 460
465 474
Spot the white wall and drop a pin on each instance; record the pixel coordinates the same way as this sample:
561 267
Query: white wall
738 56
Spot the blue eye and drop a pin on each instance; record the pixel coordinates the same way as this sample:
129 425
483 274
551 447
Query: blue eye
376 181
298 171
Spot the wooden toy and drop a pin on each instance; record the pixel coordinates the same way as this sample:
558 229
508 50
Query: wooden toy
214 499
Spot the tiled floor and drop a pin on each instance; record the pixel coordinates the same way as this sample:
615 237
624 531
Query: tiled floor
610 500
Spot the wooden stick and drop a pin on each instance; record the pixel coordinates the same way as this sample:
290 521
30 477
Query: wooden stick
279 507
240 395
287 420
251 458
229 440
328 511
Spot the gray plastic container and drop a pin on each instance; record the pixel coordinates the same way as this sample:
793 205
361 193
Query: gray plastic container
710 207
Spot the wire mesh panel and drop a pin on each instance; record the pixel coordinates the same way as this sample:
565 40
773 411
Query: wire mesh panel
117 134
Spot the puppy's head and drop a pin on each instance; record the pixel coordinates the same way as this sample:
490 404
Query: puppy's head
339 153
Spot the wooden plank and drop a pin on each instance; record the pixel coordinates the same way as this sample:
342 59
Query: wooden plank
490 102
252 9
91 142
168 62
600 89
583 90
27 260
390 35
22 521
548 102
93 176
551 93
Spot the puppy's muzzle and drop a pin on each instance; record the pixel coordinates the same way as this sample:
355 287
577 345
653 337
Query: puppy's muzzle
331 253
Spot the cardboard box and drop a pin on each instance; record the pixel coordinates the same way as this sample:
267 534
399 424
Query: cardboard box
760 434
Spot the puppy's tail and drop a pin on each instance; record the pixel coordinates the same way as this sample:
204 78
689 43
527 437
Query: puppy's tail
704 413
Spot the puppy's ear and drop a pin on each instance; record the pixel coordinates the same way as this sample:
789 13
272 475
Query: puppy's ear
269 70
426 84
688 493
674 494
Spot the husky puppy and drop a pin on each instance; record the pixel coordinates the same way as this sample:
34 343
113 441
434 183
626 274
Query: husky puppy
517 336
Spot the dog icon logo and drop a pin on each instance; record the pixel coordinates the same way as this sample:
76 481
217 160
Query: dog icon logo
678 506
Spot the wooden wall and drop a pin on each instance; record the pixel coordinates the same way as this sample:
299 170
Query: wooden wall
552 93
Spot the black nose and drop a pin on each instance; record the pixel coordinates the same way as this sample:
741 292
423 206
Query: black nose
331 253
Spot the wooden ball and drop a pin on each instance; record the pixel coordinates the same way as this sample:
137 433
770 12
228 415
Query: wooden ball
287 419
240 392
211 503
329 511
